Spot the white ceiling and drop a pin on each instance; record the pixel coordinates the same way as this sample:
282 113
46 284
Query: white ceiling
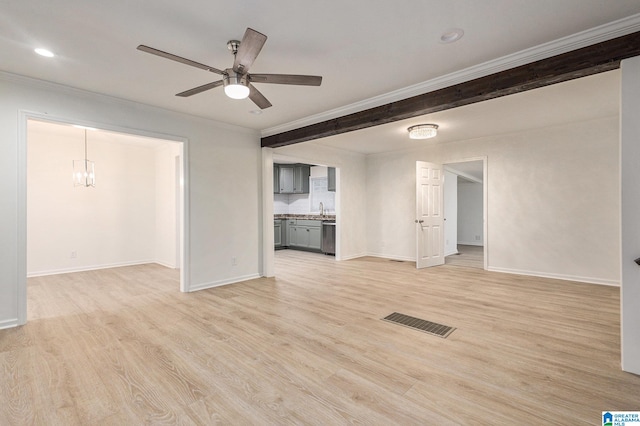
362 48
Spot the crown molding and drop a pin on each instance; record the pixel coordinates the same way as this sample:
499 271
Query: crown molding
35 83
579 40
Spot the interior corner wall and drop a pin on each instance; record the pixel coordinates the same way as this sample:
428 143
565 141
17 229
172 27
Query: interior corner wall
470 214
540 184
76 228
450 213
222 187
166 246
630 212
351 193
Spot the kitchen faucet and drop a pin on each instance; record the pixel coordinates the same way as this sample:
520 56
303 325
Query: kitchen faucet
321 209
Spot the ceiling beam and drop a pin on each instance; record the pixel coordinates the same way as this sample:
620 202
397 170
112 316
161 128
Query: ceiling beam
597 58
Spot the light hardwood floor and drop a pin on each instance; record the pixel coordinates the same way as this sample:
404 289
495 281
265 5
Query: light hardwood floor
468 256
124 347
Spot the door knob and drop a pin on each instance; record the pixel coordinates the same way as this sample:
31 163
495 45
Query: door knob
637 261
419 221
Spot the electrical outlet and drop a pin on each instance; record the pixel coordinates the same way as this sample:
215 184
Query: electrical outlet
74 254
234 261
477 237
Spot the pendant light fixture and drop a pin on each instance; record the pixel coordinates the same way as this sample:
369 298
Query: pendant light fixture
84 170
423 131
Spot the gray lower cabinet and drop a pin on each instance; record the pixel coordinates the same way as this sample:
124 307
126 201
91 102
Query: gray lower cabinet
277 233
305 234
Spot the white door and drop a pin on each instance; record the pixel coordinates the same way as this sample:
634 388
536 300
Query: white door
429 214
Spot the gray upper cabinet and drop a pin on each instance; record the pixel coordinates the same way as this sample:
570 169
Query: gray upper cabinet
331 179
291 178
301 173
276 179
286 179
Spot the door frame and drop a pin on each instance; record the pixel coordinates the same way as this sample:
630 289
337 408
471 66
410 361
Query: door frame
21 255
485 197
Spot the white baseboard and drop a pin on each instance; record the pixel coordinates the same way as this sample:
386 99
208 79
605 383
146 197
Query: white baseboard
166 265
204 286
87 268
589 280
471 243
10 323
353 256
392 257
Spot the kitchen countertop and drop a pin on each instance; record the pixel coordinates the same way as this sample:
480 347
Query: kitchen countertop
305 216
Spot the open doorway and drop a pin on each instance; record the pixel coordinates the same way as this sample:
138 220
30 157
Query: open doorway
133 216
299 221
465 213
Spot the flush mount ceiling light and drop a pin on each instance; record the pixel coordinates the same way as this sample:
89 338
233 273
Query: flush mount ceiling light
423 131
451 35
44 52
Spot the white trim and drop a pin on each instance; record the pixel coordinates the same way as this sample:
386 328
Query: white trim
589 37
92 268
219 283
86 94
587 280
485 202
389 257
23 117
471 243
10 323
268 255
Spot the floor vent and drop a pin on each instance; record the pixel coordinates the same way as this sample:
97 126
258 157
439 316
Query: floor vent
396 260
419 324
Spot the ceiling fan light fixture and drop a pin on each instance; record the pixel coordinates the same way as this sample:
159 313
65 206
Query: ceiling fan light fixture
423 131
235 85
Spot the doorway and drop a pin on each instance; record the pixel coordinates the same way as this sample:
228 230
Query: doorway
465 214
134 215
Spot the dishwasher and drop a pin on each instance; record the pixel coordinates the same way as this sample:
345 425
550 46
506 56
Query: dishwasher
329 237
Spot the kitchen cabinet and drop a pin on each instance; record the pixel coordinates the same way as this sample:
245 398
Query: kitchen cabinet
331 179
291 178
286 178
276 179
305 234
301 173
277 233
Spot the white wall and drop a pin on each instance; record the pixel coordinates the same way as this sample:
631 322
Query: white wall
470 214
109 225
224 177
630 215
541 185
167 217
450 213
350 198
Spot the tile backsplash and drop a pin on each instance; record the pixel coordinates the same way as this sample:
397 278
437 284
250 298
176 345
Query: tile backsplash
301 203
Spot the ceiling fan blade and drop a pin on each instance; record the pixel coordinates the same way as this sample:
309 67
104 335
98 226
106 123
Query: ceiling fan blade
250 46
301 80
180 59
258 98
200 89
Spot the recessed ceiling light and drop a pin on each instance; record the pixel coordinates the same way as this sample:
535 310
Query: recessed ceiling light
255 111
44 52
452 35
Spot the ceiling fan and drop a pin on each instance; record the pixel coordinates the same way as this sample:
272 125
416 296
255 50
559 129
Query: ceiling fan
237 81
